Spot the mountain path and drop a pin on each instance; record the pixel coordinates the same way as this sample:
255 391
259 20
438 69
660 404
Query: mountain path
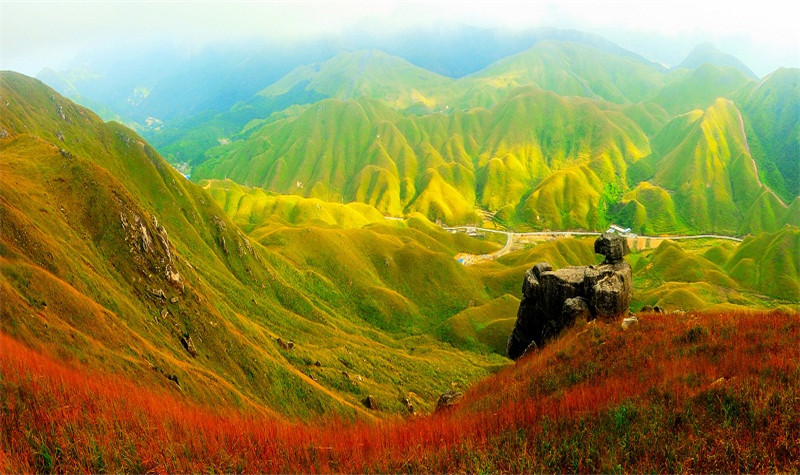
470 259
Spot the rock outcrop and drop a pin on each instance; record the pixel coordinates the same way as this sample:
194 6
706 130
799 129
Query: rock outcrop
448 399
553 299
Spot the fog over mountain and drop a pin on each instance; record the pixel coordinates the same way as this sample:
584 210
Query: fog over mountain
38 35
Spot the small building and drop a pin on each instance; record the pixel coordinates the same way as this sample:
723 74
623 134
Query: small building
614 229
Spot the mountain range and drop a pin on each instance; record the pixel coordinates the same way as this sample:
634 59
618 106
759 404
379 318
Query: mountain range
521 139
297 266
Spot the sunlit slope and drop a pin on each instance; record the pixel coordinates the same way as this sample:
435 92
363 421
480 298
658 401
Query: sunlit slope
254 207
771 111
769 262
603 71
702 177
443 166
350 75
564 67
761 271
88 272
552 137
110 258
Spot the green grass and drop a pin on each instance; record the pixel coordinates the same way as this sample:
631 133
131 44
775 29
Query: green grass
536 137
80 281
76 281
444 166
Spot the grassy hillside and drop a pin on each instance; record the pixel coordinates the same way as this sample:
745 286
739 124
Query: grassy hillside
443 166
702 177
710 274
111 259
255 207
573 69
596 400
371 73
771 111
561 135
538 160
534 158
698 88
586 67
707 53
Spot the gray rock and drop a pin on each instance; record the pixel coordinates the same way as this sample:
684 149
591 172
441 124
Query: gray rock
188 344
629 322
408 405
553 299
286 345
448 399
612 246
609 289
575 308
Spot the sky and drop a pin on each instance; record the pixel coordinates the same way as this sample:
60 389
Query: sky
37 34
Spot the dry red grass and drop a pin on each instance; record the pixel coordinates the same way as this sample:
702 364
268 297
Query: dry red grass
598 399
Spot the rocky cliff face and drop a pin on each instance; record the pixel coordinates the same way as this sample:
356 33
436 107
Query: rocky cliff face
553 299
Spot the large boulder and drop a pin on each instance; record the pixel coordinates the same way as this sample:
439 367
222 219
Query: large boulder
612 246
554 299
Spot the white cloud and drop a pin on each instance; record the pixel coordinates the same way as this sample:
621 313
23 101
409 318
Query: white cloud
35 34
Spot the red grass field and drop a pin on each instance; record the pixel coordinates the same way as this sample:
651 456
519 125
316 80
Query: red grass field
677 393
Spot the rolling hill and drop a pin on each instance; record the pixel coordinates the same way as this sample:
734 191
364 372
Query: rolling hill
111 259
297 306
442 165
564 135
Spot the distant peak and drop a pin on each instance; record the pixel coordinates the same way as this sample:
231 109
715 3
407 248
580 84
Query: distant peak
708 53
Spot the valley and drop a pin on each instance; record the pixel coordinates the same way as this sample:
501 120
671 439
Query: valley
318 270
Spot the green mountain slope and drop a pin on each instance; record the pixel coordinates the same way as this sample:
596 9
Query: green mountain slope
372 73
111 259
568 68
771 111
573 69
768 262
699 88
706 53
702 177
440 165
